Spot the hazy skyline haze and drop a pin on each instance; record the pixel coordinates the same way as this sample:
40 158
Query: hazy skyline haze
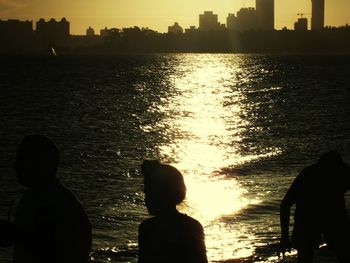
158 14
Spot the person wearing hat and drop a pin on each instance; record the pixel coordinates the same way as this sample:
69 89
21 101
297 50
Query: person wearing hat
318 193
169 236
50 224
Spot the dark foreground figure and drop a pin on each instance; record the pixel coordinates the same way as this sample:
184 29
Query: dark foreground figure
169 236
50 224
320 214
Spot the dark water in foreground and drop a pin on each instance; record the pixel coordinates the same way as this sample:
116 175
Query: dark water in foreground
240 127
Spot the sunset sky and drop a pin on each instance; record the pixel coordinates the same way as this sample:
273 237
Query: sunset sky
158 14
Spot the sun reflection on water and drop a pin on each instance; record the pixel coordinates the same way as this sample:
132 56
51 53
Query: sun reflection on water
205 136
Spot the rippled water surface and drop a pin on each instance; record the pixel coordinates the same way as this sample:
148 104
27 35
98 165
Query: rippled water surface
239 127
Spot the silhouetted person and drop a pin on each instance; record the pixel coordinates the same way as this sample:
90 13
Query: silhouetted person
168 236
318 193
50 224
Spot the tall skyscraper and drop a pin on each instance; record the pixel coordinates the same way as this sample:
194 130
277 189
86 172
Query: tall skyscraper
265 10
317 21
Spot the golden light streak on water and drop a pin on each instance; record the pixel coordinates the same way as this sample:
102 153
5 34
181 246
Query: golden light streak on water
206 136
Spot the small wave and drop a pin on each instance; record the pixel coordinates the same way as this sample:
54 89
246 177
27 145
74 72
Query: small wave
114 255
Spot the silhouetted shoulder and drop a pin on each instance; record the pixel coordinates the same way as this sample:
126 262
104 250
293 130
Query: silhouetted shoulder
64 200
193 223
56 223
346 175
56 200
180 221
177 238
309 170
305 177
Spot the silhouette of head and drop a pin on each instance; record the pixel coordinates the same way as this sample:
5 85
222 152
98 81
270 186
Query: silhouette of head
164 187
37 161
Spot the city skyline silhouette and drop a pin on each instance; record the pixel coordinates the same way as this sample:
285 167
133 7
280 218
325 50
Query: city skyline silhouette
159 15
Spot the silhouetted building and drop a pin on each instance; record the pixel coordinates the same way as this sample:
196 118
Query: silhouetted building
191 29
265 10
90 31
175 29
53 30
84 42
317 21
111 32
301 24
16 36
222 27
246 20
104 32
231 22
16 29
208 21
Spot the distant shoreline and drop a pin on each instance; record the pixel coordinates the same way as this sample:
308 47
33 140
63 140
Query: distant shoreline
135 40
65 54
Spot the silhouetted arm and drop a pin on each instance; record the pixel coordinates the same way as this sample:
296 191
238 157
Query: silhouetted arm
7 233
142 257
200 246
73 237
347 176
288 201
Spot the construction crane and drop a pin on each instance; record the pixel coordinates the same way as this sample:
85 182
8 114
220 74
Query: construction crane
303 14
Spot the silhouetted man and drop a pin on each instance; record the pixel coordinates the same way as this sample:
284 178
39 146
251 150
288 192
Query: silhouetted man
50 224
318 192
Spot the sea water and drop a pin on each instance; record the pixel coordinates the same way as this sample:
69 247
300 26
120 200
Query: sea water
239 127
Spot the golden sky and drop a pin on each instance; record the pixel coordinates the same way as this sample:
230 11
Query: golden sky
158 14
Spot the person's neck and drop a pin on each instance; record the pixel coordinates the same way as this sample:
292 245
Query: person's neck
43 186
168 211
